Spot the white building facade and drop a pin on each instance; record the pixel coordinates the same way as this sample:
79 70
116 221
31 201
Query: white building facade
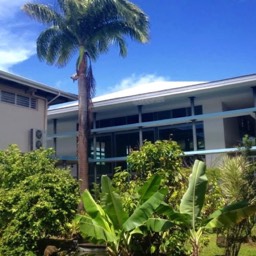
23 111
205 118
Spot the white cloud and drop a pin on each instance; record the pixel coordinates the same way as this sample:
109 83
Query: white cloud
138 81
14 48
137 85
17 43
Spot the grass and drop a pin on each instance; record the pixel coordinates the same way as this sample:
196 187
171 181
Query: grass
212 249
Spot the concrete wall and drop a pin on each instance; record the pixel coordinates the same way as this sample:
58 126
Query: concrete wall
17 121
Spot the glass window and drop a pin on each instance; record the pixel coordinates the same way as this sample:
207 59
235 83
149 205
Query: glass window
182 134
163 115
179 112
132 119
147 117
8 97
198 110
149 135
126 142
33 103
23 101
200 135
119 121
103 147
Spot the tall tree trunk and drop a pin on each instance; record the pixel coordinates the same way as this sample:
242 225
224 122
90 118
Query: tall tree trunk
82 147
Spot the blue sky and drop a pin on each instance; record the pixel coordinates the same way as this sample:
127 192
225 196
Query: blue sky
196 40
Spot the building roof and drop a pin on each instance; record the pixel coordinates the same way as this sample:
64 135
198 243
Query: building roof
144 94
53 95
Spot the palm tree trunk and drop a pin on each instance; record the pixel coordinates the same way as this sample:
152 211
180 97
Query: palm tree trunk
82 146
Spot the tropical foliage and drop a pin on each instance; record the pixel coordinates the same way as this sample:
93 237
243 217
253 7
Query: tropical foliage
163 158
37 200
237 173
85 28
111 224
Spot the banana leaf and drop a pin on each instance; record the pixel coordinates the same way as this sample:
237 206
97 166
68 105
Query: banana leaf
112 203
149 188
158 224
90 228
173 216
193 200
95 211
143 212
230 216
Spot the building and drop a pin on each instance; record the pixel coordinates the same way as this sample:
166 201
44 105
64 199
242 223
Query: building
23 110
205 118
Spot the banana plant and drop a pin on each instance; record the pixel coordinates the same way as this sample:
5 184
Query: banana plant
110 224
192 203
193 200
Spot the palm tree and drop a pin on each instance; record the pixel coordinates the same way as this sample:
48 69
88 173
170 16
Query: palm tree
86 28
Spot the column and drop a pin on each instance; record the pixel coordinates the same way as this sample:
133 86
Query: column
140 128
192 104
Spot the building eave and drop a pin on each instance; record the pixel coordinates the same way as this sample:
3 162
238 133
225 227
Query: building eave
40 89
184 91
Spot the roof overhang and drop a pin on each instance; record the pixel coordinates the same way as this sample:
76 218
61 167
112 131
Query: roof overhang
53 96
237 84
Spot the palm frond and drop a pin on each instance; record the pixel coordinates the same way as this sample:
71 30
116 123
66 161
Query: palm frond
42 13
94 25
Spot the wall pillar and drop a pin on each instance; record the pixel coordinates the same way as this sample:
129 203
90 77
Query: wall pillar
140 128
192 105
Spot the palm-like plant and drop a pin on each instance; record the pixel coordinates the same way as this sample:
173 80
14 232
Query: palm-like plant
86 28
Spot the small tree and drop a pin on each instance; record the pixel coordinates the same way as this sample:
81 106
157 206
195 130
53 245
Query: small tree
163 158
237 173
37 200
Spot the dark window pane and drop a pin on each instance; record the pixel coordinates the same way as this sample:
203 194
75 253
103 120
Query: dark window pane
179 112
119 121
8 97
103 147
182 134
147 117
198 110
126 142
33 103
148 136
163 115
200 135
23 101
132 119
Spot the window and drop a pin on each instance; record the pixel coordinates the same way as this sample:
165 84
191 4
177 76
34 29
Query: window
126 143
8 97
18 100
33 103
23 101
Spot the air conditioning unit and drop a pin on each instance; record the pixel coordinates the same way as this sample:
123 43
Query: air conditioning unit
37 139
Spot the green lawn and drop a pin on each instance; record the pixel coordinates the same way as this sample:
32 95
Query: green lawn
212 249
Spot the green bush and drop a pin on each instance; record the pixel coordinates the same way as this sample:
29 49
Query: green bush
165 159
37 200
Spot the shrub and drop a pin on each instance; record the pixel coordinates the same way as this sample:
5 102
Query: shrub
37 200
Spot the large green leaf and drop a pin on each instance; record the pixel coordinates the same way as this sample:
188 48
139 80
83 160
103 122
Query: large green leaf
90 228
149 188
158 224
173 216
228 208
193 200
95 211
229 218
112 203
143 212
